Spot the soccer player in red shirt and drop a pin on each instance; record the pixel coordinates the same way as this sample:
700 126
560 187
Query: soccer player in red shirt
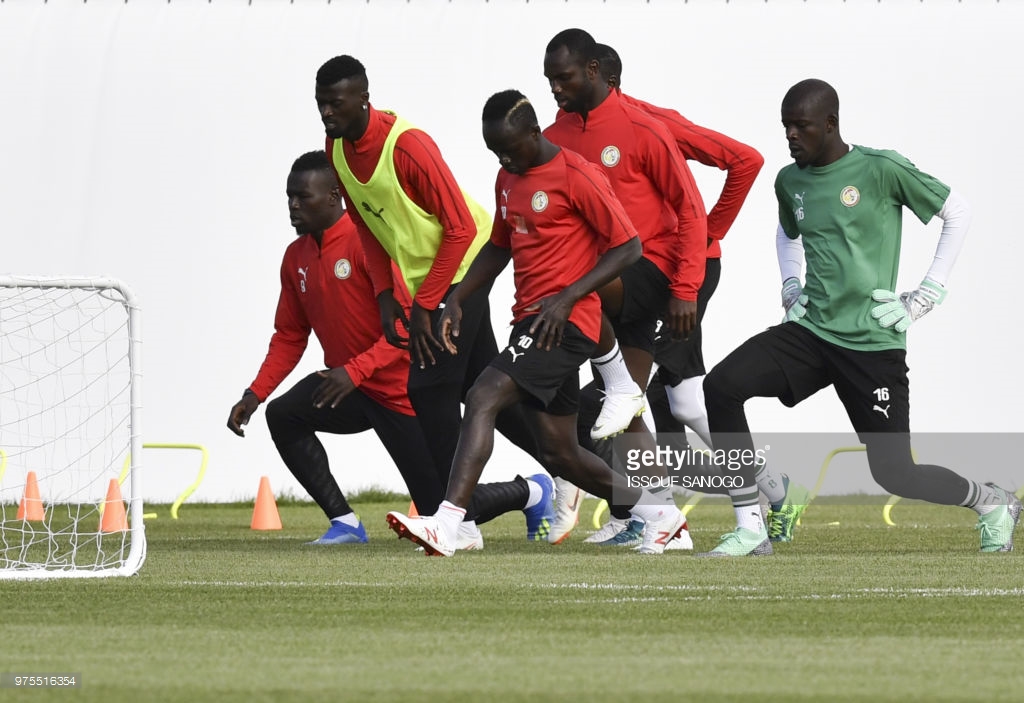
409 209
559 222
640 159
681 362
674 396
326 289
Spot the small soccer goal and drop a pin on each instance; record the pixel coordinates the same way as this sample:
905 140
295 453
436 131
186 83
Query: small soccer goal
70 399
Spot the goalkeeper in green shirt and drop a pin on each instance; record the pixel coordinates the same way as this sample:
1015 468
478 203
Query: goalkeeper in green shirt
840 210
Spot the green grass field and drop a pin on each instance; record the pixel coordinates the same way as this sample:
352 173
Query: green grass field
854 611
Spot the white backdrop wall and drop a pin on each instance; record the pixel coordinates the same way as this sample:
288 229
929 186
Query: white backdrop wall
151 141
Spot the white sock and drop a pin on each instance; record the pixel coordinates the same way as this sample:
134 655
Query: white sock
449 517
536 493
746 503
648 417
749 517
771 484
663 494
613 371
651 507
983 498
686 400
350 519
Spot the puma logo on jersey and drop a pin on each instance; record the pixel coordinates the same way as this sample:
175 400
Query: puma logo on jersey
302 283
798 212
505 192
375 213
884 411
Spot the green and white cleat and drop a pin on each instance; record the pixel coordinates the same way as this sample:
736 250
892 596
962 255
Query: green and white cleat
997 526
742 542
782 521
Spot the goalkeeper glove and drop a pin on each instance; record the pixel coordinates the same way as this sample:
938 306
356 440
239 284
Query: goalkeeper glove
899 312
793 299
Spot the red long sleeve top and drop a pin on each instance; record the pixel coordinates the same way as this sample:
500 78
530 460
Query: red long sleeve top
326 289
558 219
741 163
428 181
653 182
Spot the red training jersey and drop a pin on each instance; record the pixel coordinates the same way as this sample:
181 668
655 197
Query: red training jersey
741 163
653 182
558 218
326 289
427 180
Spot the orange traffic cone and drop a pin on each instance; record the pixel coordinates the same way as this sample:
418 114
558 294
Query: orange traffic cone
31 505
114 518
264 514
413 512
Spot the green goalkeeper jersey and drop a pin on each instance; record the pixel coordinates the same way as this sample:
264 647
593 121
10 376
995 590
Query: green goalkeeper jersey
850 216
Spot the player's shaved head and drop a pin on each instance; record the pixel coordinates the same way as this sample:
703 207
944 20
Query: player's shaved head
810 116
813 93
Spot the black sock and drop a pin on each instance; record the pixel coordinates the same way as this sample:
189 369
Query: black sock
493 499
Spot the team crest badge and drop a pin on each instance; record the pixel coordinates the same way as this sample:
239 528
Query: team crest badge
539 202
610 156
343 269
849 196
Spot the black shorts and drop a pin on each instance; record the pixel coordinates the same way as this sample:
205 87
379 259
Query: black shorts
872 385
475 343
645 297
550 378
679 359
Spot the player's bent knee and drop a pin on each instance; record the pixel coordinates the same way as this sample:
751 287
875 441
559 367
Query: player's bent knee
720 388
688 415
558 460
276 415
490 395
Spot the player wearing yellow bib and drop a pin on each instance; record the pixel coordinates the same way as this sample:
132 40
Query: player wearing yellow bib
841 208
409 209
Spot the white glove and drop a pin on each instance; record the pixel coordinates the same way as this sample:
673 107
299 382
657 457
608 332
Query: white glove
793 299
899 312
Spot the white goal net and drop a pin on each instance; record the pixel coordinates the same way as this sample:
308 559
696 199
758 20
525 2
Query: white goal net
70 435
